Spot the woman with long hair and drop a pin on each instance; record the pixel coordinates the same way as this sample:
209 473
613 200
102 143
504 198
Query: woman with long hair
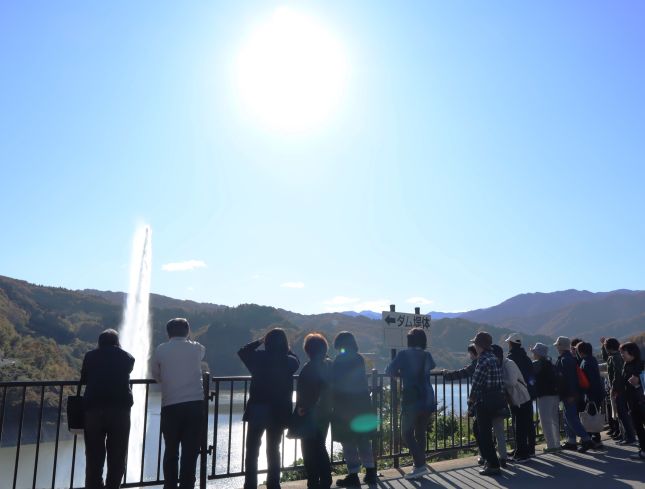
634 394
269 405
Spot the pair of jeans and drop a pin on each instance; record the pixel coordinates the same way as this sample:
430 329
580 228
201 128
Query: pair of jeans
522 421
485 438
357 451
572 425
106 432
316 460
181 425
414 425
624 420
550 419
253 441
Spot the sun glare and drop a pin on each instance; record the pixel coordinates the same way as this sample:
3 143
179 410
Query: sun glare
291 72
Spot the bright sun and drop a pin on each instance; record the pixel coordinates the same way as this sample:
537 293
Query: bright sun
291 72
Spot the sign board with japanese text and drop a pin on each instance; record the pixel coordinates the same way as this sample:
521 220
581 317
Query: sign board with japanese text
397 325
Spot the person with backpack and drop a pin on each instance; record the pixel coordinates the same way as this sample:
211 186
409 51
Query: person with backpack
413 366
569 391
594 394
547 396
524 363
519 399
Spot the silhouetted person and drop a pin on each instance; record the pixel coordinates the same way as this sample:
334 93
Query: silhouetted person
623 430
177 367
354 420
269 407
313 404
413 366
107 402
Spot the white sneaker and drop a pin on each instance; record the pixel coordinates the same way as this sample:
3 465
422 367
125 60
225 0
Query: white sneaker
417 473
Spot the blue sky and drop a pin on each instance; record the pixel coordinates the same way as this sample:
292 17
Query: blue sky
474 152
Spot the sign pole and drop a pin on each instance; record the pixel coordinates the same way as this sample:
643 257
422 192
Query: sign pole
395 407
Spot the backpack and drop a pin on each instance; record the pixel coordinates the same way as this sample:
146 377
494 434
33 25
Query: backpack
421 394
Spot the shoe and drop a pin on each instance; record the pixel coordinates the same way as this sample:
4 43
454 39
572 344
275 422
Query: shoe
417 473
569 446
617 438
351 480
490 471
552 450
586 445
370 476
626 442
520 460
640 455
480 461
597 445
502 463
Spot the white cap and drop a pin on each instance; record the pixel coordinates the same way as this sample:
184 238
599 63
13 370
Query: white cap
515 338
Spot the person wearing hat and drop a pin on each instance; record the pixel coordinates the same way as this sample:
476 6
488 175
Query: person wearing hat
547 396
486 393
569 391
525 411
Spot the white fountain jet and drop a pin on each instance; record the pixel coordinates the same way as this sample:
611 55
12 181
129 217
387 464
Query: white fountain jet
135 338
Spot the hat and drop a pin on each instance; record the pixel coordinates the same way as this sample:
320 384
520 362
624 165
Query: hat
483 340
514 338
540 349
562 343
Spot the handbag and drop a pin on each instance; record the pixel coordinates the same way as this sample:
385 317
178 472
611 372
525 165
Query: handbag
583 381
493 403
592 419
75 412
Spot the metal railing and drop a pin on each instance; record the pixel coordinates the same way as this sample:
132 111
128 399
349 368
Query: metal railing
37 450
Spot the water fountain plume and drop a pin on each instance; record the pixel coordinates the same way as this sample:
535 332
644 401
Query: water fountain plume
135 337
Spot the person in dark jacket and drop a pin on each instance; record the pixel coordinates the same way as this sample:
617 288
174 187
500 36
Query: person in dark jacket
569 391
269 405
354 420
596 392
413 366
107 401
634 394
624 434
546 391
313 404
524 363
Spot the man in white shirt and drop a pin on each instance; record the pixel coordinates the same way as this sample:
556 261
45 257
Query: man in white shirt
177 367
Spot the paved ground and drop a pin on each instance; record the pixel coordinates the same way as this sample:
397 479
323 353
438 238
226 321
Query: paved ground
607 469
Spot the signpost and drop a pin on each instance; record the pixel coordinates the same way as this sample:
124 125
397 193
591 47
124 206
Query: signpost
397 325
395 332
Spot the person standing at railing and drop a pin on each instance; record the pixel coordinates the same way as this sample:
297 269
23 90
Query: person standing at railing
313 406
488 399
546 389
624 432
106 402
413 366
518 397
270 402
595 393
177 366
634 394
569 390
353 421
524 363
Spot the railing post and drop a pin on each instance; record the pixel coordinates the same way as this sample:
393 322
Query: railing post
376 410
203 444
396 432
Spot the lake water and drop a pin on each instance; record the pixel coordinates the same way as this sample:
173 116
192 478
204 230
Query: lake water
228 456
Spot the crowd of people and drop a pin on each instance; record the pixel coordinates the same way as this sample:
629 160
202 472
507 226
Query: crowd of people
336 393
